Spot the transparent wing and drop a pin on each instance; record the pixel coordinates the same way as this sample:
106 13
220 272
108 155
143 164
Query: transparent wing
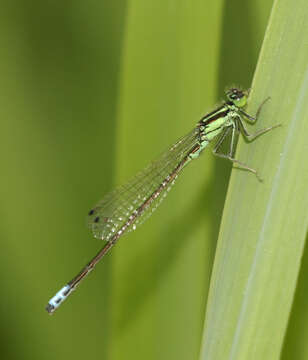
114 210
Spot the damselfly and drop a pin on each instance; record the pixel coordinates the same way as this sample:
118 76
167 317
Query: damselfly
129 205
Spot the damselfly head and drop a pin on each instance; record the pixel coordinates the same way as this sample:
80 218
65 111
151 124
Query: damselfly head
237 97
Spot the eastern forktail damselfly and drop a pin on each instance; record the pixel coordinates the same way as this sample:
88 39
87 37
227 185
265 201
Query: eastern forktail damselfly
126 207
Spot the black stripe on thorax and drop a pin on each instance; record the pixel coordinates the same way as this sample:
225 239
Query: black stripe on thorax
214 115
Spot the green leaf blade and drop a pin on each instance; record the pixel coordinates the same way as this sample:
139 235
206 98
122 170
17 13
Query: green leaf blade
264 225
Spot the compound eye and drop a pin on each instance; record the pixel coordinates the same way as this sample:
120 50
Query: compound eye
235 96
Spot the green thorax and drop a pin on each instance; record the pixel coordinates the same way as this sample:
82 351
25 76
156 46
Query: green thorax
213 123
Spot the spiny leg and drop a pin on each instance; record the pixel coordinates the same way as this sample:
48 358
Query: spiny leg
229 156
251 137
253 119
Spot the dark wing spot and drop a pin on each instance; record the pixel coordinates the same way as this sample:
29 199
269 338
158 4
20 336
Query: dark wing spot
91 212
96 220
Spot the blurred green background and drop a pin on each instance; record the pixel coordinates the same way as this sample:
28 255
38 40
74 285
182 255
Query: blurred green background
92 91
